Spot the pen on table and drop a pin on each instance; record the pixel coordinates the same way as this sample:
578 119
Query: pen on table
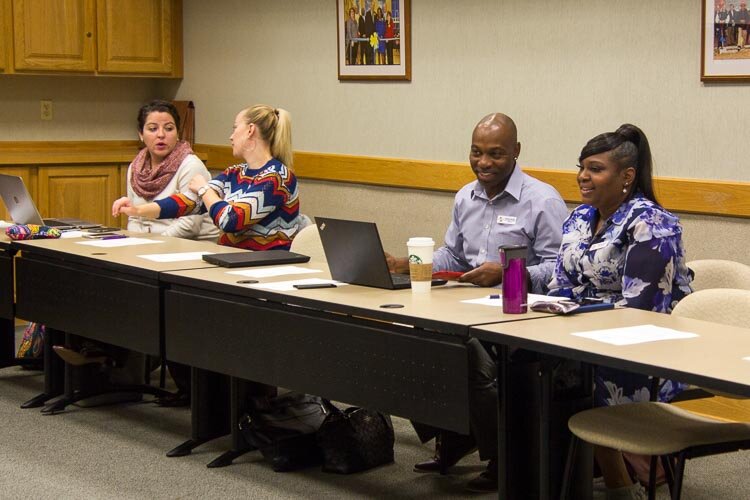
114 237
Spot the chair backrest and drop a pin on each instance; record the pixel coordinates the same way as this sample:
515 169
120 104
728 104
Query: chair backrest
727 306
715 273
307 242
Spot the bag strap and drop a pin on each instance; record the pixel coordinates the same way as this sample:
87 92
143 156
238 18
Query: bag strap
332 408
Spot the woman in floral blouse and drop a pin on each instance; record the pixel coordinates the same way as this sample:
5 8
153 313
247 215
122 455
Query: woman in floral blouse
621 247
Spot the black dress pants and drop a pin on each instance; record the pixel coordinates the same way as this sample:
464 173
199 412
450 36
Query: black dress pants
482 404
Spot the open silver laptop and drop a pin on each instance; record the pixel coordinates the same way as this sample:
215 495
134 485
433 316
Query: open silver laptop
22 209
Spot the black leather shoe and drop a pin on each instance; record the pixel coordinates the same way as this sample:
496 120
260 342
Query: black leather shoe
451 448
174 400
78 358
431 465
486 482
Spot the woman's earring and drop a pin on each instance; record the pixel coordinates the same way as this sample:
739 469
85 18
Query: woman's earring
625 188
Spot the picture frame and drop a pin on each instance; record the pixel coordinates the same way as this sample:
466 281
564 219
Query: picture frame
381 49
725 39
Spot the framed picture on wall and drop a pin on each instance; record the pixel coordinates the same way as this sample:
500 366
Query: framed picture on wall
374 39
725 34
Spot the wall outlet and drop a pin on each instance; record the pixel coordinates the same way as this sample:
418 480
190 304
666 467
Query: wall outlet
46 109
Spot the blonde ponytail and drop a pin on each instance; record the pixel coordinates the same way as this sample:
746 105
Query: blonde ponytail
275 126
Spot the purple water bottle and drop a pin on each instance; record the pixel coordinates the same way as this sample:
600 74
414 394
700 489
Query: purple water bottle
513 260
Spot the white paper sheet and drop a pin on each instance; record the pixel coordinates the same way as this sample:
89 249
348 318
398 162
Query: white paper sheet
73 233
174 257
288 286
634 335
497 300
270 272
120 242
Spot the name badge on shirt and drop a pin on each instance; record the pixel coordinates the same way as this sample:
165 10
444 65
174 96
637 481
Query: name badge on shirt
506 219
598 246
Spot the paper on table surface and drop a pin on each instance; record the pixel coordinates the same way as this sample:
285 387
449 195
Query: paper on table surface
288 286
73 233
119 242
635 335
174 257
270 272
498 302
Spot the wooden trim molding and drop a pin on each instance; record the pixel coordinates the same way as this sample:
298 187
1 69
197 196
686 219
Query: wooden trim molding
70 152
697 196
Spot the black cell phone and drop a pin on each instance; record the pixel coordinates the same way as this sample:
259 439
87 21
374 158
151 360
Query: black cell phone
309 286
99 230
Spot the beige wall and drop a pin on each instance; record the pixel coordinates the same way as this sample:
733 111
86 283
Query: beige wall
401 214
84 108
565 70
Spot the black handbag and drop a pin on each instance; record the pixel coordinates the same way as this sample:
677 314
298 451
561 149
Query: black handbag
355 439
283 429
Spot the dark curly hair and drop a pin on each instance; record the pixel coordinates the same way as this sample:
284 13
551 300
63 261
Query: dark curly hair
158 105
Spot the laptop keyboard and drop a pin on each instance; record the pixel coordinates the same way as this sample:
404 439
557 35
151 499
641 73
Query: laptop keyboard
56 223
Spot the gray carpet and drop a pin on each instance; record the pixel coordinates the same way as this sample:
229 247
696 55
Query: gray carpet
119 452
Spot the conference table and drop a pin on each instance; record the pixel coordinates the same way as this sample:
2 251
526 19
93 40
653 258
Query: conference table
104 290
389 350
7 306
394 351
717 358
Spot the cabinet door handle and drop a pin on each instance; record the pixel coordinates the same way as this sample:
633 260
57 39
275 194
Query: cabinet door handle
88 34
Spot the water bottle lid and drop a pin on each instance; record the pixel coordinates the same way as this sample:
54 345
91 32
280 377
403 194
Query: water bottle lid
510 252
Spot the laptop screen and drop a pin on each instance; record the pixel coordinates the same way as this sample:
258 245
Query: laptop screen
354 252
18 201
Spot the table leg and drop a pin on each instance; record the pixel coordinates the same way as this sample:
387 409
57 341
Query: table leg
209 397
503 374
239 390
54 376
7 342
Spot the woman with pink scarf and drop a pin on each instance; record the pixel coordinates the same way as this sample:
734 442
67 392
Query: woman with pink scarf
163 168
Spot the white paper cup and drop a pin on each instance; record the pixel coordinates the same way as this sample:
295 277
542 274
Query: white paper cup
420 263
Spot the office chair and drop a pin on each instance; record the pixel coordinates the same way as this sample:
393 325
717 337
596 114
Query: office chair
307 242
716 273
663 430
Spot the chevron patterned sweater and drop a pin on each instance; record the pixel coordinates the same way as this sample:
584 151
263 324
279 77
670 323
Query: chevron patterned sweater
259 210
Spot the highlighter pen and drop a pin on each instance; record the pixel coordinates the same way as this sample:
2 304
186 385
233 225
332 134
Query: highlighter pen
114 237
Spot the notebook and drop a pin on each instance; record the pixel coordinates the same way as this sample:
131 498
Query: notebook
355 254
249 258
22 209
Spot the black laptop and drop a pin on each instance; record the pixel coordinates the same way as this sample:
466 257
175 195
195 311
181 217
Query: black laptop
249 258
355 254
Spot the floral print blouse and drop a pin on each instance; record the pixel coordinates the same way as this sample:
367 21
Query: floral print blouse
637 260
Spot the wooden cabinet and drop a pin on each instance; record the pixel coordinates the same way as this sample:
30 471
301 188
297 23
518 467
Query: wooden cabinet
84 192
5 32
109 37
54 35
136 36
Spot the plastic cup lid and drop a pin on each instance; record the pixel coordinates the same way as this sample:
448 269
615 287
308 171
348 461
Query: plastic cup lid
420 242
